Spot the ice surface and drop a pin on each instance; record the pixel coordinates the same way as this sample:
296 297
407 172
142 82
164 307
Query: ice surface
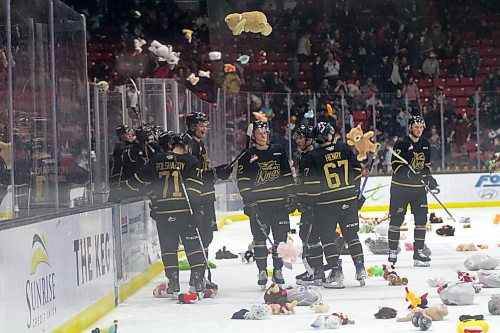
238 288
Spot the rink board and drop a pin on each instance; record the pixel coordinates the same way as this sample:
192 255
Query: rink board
54 269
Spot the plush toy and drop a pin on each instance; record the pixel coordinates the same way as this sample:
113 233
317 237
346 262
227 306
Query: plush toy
286 309
483 246
243 59
480 261
204 74
466 247
102 86
465 277
160 291
111 329
382 229
436 313
327 322
385 313
414 300
138 44
193 79
184 265
489 279
214 55
247 256
421 321
362 142
262 57
435 219
164 53
494 305
396 280
343 318
188 298
320 307
257 312
379 245
275 295
304 295
255 22
260 116
457 293
472 324
435 281
375 271
229 68
188 34
446 230
289 251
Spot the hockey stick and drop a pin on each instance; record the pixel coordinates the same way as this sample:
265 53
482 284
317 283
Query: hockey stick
423 183
134 101
286 264
183 185
247 146
372 162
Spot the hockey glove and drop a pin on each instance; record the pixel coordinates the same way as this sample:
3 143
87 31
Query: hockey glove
290 204
223 172
415 177
430 182
361 201
251 210
307 215
197 219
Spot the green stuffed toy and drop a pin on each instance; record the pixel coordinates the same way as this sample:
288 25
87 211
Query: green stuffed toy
375 271
184 265
111 329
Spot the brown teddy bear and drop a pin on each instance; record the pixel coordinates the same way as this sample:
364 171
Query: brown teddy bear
362 142
435 313
275 295
255 22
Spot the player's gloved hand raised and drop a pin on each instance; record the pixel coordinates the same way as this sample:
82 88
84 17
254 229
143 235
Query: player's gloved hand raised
251 210
430 182
223 171
290 204
361 201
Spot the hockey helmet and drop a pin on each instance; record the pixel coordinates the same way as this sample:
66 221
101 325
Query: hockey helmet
303 130
166 139
321 131
122 130
145 133
257 124
196 118
416 120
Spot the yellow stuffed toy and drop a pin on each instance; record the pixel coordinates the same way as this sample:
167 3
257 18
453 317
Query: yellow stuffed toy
362 142
255 22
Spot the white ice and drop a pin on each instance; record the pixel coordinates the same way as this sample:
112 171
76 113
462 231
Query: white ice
238 289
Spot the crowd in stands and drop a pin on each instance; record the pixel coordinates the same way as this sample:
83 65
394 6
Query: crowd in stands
383 59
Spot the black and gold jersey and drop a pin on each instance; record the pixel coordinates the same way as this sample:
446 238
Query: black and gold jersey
418 155
330 174
161 180
264 176
116 163
200 152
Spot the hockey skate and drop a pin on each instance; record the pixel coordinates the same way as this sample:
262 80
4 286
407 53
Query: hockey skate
262 281
304 279
278 277
360 273
196 283
173 288
420 259
335 279
393 257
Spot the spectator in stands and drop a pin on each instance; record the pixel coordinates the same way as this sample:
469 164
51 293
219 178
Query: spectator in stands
476 99
318 73
397 102
472 61
232 82
404 69
483 31
402 119
430 67
395 76
348 120
435 143
324 93
460 134
331 68
489 85
457 68
304 48
354 94
412 94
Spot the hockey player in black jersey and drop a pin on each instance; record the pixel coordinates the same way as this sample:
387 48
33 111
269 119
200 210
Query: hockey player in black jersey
407 188
161 179
331 185
265 180
197 124
126 139
313 252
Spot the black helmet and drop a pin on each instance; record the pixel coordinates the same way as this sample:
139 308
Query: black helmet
321 131
303 130
122 130
145 133
416 120
166 139
196 118
259 124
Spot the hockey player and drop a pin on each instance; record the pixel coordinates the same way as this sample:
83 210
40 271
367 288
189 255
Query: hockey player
265 180
126 139
197 124
162 180
331 185
407 188
313 252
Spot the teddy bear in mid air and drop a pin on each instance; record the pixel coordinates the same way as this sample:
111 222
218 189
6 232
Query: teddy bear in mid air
362 142
255 22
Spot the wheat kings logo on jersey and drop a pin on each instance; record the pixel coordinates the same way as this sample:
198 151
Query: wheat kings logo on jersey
418 161
268 171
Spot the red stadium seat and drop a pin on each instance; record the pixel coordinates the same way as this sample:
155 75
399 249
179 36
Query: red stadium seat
485 70
306 66
281 66
469 91
439 82
487 42
485 52
479 80
453 82
301 85
462 102
467 81
490 62
424 83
